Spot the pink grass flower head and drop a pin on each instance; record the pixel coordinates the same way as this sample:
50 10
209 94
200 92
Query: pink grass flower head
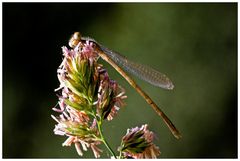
85 91
110 97
138 144
78 132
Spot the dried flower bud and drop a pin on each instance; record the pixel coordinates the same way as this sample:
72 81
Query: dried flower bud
138 144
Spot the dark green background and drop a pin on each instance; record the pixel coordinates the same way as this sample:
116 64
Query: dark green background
194 44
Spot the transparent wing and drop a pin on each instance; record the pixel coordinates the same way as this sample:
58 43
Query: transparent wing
145 73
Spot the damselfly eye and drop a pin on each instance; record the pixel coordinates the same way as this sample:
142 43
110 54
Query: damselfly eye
74 40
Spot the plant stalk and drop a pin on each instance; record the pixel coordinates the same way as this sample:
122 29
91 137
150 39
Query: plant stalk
99 123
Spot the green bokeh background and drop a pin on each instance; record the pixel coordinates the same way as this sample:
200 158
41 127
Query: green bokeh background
195 44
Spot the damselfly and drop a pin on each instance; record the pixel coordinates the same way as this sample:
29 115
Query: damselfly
145 73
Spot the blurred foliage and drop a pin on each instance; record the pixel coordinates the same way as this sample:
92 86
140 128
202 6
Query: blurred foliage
195 44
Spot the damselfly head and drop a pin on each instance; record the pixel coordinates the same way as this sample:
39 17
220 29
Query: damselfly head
74 40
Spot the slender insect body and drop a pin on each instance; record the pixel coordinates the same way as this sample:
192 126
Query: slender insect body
145 73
